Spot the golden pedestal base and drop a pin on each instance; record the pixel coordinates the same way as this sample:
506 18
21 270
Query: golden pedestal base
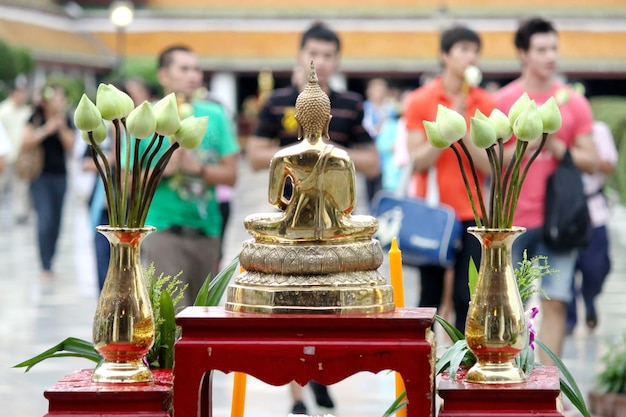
309 278
495 373
131 372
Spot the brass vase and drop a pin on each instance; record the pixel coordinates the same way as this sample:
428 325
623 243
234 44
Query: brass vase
496 328
123 326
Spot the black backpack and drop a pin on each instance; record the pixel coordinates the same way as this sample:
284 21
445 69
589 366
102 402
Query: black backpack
567 224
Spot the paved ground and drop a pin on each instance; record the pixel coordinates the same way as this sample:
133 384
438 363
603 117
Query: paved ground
36 315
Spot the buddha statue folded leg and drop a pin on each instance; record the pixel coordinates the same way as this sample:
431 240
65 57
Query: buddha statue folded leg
266 226
352 228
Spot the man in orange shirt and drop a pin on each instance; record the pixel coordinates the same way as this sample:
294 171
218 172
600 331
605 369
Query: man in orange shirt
459 48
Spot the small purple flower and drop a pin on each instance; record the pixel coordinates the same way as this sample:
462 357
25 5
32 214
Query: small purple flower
530 316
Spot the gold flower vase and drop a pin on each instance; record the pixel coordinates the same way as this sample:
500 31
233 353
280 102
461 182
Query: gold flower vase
123 326
496 329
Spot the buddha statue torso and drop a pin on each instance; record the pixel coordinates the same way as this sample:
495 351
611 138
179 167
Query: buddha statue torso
323 181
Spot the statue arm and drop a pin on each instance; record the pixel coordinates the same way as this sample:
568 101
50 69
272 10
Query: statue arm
277 183
345 198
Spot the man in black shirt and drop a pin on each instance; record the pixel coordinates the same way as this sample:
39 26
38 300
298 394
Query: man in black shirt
277 128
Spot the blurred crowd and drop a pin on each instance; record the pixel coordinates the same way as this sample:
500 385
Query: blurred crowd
382 131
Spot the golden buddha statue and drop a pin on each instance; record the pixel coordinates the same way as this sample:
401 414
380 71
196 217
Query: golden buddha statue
313 255
323 181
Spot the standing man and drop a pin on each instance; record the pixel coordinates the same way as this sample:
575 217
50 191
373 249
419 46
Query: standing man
277 128
537 44
459 48
185 210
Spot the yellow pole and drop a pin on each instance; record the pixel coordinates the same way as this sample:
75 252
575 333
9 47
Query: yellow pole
395 273
239 387
239 395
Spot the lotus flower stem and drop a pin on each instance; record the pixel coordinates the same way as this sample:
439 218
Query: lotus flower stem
477 184
534 156
146 173
493 219
133 212
105 176
118 173
125 190
514 185
155 177
467 185
509 168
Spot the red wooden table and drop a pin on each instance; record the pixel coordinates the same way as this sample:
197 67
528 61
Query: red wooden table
75 395
537 397
279 348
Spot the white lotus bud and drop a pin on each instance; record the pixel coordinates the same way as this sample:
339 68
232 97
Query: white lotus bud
191 131
451 125
528 126
518 107
562 95
479 115
99 133
502 124
87 116
127 103
433 135
141 123
473 76
482 132
110 104
550 116
166 115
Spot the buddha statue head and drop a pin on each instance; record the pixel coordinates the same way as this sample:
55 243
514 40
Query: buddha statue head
313 110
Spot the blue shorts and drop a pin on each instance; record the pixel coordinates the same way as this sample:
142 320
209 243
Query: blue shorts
557 286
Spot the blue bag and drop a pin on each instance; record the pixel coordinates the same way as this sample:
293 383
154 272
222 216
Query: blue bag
428 232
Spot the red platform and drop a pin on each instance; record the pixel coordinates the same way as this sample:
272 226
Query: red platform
75 395
537 397
279 348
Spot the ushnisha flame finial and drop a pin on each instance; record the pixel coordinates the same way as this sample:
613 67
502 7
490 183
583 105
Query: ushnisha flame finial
313 109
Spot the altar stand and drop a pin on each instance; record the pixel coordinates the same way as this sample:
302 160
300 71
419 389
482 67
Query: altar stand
279 348
539 396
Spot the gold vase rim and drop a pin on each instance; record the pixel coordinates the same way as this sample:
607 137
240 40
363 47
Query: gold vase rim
514 229
107 228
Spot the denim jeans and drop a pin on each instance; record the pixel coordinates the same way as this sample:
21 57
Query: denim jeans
48 192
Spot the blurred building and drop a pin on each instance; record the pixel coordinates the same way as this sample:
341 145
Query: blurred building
235 39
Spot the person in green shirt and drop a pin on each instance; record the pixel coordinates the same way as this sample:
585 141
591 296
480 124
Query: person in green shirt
185 210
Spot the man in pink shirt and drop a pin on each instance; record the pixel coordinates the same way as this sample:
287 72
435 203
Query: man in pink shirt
537 44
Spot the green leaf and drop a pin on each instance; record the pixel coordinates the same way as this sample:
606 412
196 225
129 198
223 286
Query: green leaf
168 331
453 357
461 351
70 347
472 275
397 405
568 383
525 360
212 291
453 333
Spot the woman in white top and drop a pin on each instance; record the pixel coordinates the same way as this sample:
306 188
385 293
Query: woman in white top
594 262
